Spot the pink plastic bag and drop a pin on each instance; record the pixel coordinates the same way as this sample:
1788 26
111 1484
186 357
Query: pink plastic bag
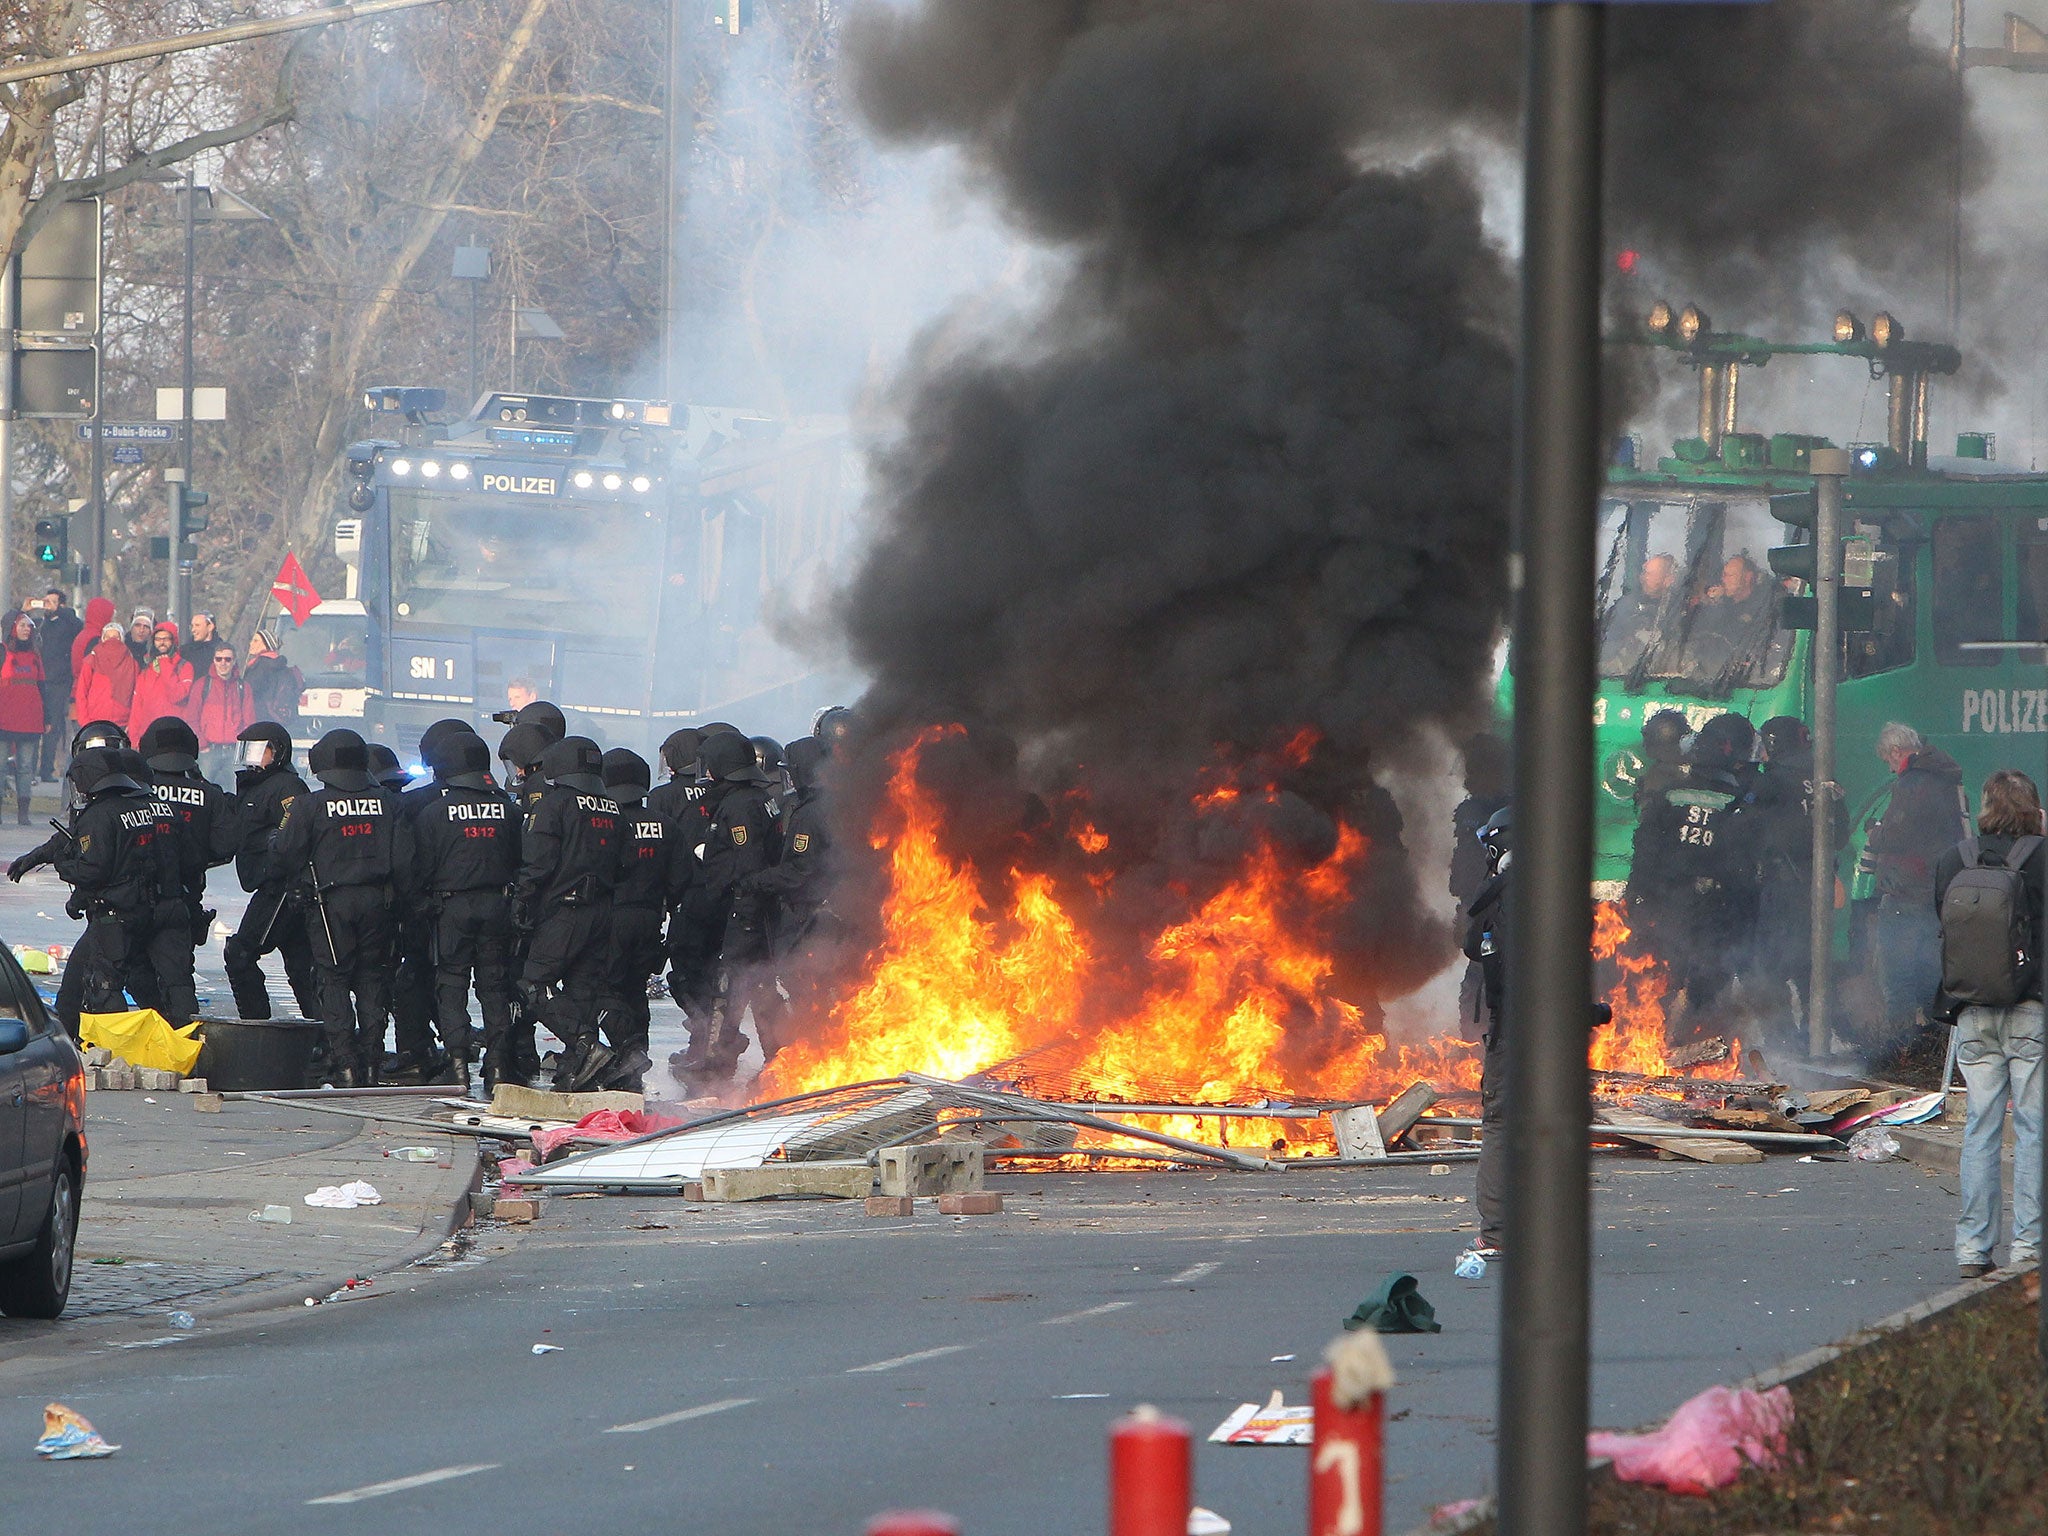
604 1124
1706 1443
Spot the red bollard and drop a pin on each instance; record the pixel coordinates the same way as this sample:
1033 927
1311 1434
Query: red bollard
1151 1474
913 1522
1345 1464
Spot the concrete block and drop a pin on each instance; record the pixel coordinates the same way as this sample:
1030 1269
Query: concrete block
98 1056
1358 1132
156 1080
694 1190
981 1204
206 1103
118 1079
932 1168
481 1201
192 1085
92 1079
890 1205
832 1181
538 1104
527 1209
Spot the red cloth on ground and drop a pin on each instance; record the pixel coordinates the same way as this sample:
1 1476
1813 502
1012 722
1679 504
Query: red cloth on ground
1706 1443
602 1125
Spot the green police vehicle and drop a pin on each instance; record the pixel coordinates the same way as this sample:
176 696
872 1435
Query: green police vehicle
1706 566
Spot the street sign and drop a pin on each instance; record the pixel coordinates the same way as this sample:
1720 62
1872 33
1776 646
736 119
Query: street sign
127 453
209 403
130 431
56 381
60 275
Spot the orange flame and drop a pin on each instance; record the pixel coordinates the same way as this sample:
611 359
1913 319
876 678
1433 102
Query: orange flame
1238 999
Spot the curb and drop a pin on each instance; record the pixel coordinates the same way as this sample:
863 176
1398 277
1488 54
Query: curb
1782 1375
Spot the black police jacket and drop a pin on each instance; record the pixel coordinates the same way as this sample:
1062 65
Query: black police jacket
463 840
342 835
682 805
569 852
799 879
645 858
1694 858
261 798
122 854
741 840
208 826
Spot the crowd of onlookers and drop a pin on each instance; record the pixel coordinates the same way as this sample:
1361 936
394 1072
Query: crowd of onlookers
58 670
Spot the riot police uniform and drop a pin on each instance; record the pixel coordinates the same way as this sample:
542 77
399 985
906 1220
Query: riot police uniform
1486 935
119 856
680 804
1692 875
639 899
740 840
569 853
265 786
345 844
465 834
797 887
208 824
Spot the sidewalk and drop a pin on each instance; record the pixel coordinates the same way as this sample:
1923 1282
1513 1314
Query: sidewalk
170 1191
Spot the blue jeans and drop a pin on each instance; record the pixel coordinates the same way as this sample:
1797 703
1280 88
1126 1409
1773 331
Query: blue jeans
1999 1050
1908 944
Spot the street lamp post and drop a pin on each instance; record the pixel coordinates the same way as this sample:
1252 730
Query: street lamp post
1545 1306
1830 467
473 266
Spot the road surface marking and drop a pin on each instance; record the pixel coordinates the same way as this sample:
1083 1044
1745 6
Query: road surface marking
1193 1273
663 1420
1075 1317
403 1484
922 1354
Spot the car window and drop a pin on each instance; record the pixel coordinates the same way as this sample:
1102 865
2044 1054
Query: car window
18 996
1882 553
1969 590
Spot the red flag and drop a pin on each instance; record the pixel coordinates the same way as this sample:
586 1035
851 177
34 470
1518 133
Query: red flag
294 589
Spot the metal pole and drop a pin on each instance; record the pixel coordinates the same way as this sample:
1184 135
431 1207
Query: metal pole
474 284
1955 175
1830 468
9 359
1544 1302
174 599
95 540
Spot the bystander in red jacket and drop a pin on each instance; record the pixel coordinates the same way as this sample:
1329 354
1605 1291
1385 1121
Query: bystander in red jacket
165 683
99 611
106 682
222 709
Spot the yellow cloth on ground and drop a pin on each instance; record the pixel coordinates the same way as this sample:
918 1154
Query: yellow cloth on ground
143 1038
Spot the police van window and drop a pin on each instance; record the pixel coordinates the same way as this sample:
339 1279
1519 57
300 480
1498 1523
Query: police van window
1690 598
1888 644
1969 590
2033 594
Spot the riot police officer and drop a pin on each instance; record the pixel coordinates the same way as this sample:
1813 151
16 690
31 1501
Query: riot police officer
1692 876
345 845
569 854
740 840
1486 934
639 899
465 834
120 860
797 886
208 825
265 786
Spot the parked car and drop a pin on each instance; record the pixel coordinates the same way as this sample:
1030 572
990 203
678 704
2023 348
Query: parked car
42 1149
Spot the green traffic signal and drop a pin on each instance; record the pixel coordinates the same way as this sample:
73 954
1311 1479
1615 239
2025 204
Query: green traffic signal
190 516
52 540
1795 560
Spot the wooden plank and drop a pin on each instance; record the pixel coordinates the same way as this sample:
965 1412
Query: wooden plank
1400 1115
1641 1130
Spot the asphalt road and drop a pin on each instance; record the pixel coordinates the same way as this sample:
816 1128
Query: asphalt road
774 1369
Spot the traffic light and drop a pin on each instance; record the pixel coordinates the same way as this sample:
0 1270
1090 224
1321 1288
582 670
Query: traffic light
1795 560
192 514
1799 508
53 540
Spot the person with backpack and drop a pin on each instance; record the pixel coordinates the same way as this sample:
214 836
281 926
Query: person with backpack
1988 894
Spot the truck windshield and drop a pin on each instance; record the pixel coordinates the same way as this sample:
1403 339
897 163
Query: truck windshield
331 649
500 563
1687 597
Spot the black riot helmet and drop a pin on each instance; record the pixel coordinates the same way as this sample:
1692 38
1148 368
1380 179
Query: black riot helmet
170 745
546 716
804 758
463 759
98 771
340 760
1782 734
385 769
727 755
98 733
831 726
1723 742
626 774
431 737
1664 736
265 733
767 758
679 752
522 747
1497 837
574 762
